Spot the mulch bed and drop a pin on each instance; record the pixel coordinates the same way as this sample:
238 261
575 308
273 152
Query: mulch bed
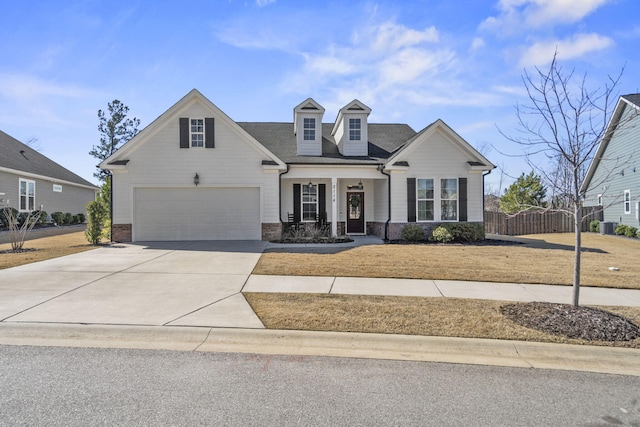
586 323
485 242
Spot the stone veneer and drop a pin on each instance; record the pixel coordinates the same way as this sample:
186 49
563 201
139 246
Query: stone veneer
271 231
120 232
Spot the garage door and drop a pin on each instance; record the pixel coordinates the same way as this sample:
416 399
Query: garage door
196 214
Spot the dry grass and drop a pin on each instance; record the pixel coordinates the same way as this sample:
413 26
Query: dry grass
43 249
449 317
547 259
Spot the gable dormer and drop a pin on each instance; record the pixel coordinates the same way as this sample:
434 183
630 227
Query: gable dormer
307 126
350 129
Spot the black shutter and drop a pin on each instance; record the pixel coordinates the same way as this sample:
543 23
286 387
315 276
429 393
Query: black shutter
184 132
322 201
462 199
209 133
411 200
296 202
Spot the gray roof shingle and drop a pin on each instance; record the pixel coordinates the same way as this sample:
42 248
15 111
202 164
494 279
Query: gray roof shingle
384 140
633 98
18 156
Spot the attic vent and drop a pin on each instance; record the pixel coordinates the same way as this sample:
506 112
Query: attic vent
356 107
309 106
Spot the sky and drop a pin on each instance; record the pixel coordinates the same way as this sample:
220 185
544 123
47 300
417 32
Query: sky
410 61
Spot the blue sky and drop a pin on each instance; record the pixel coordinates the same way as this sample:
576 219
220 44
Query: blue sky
411 61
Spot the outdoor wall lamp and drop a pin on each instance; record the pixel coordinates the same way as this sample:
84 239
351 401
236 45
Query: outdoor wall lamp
196 179
310 184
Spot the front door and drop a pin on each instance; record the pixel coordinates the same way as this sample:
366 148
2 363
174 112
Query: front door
355 213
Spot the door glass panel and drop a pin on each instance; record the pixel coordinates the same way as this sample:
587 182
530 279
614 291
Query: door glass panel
355 206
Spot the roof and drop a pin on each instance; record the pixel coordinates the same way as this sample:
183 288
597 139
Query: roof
20 157
634 98
384 140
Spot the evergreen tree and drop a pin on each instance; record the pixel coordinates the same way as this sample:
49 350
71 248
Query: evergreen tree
525 193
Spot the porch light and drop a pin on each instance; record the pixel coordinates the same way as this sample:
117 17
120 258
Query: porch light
196 179
310 184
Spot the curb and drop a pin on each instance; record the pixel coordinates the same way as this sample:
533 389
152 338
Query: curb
521 354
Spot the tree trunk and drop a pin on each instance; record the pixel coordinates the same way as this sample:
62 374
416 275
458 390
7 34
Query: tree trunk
577 222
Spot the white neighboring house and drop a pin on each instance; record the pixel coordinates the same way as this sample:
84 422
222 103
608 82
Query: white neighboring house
195 174
30 181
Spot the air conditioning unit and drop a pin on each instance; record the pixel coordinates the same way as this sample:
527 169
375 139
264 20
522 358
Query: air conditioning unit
607 227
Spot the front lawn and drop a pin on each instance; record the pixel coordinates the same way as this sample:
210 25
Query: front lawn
546 259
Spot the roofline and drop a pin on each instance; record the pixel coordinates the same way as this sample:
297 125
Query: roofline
46 178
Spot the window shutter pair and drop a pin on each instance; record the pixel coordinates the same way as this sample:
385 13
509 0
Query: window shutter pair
411 200
209 133
297 202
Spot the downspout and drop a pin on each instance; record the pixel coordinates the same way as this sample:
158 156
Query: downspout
280 193
386 224
483 195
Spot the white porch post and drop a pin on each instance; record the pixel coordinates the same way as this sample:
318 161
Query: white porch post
334 206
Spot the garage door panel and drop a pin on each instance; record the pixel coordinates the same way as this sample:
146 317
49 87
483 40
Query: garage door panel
197 214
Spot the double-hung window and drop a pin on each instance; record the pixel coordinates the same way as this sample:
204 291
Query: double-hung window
355 127
599 199
449 199
425 200
27 195
309 129
627 201
309 202
197 132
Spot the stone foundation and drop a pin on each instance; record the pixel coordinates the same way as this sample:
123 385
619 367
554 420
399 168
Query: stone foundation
375 229
271 231
120 233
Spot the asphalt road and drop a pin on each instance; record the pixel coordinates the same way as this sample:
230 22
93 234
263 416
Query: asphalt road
56 386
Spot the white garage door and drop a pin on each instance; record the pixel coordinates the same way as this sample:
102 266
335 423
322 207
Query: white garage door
196 214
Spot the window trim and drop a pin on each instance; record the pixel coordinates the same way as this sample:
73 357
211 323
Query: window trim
438 200
309 129
27 197
599 199
456 199
627 202
355 129
432 199
192 133
303 202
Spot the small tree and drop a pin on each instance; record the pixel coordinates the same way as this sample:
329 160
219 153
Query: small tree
525 193
115 129
96 215
568 121
18 230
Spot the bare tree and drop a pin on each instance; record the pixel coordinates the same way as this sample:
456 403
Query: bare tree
561 126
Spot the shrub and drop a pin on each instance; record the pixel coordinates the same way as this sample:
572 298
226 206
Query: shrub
630 231
5 214
58 218
96 216
412 233
22 217
68 218
594 226
638 234
621 229
440 234
81 218
466 231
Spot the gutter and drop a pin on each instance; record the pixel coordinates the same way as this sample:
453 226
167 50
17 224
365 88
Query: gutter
386 224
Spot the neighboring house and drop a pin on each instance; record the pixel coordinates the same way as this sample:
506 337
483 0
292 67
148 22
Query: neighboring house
613 178
196 174
30 181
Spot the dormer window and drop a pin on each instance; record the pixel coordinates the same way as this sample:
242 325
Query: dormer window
197 132
355 127
309 129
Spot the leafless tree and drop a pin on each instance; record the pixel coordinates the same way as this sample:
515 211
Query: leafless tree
560 128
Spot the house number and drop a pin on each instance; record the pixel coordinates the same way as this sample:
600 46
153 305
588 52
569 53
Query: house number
333 192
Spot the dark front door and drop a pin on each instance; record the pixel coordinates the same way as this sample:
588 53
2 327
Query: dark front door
355 213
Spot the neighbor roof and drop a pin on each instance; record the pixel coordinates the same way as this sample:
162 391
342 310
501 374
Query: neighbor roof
20 157
384 140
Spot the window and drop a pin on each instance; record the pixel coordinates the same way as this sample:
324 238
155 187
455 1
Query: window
27 195
627 201
449 199
425 200
354 129
599 199
309 202
197 132
309 129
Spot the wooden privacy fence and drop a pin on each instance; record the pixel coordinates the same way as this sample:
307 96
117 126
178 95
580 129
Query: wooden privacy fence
537 222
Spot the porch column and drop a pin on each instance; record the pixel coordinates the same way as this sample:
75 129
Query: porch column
334 206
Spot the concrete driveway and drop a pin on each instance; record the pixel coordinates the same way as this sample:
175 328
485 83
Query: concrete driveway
155 284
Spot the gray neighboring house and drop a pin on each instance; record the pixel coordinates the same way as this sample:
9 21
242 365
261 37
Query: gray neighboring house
31 181
613 178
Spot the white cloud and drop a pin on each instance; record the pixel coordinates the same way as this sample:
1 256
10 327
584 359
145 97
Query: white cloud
476 44
541 53
519 15
263 3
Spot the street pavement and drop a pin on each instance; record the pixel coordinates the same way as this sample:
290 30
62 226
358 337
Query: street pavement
188 296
